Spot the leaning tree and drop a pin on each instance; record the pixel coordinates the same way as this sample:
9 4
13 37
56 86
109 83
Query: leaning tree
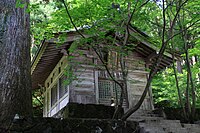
15 78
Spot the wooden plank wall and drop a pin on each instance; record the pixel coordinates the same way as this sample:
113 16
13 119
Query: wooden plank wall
82 89
137 79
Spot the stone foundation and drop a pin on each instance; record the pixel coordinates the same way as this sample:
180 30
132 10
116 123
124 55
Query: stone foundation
71 125
76 110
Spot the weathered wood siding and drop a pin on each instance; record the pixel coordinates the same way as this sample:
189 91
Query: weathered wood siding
137 79
82 89
86 88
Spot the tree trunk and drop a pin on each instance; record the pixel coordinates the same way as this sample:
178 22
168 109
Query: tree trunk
187 97
15 77
193 108
180 102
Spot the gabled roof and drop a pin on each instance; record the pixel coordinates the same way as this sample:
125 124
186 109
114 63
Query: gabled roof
49 55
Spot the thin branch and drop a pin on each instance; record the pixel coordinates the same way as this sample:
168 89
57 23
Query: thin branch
92 47
104 64
135 10
191 79
175 72
71 19
177 12
129 21
37 99
131 16
151 74
183 30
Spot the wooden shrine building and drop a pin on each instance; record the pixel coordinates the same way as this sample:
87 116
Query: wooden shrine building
91 84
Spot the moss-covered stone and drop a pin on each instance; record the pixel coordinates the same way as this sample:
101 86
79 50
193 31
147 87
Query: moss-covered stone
78 118
72 125
75 110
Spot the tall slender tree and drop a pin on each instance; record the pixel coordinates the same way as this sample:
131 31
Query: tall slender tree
15 78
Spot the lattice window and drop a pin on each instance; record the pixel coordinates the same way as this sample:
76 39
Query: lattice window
104 89
63 88
108 89
53 95
48 101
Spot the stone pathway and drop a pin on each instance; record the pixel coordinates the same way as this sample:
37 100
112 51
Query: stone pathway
153 124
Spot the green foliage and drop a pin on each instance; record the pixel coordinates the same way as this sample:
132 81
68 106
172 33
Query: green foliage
48 18
20 4
37 98
40 13
186 23
164 87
